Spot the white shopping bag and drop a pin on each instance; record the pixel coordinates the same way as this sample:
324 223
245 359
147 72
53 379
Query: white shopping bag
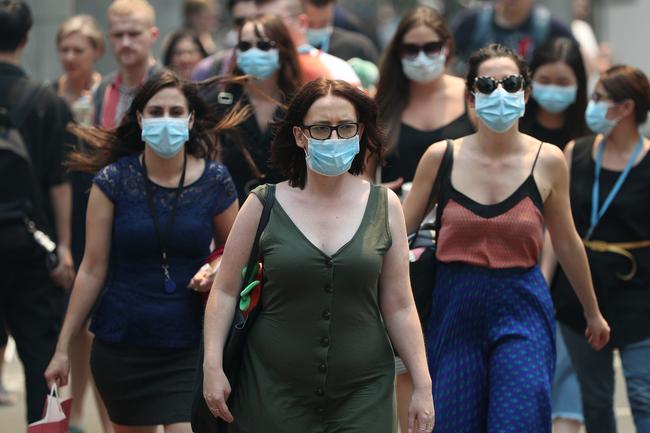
55 415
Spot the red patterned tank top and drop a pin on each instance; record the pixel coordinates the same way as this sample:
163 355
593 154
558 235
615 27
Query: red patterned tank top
508 234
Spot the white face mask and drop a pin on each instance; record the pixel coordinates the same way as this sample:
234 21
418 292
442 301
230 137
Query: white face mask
423 68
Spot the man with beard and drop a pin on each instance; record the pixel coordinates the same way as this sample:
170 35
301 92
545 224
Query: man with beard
132 33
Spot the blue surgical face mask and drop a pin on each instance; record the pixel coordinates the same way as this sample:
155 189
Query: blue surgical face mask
596 117
260 64
500 110
331 157
165 135
320 38
552 98
423 68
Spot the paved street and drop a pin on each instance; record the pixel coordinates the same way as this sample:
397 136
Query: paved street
12 418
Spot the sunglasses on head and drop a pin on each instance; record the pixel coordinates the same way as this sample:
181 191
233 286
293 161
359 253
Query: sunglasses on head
487 85
411 51
263 45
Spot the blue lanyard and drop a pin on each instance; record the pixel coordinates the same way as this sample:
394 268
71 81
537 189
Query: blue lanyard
596 213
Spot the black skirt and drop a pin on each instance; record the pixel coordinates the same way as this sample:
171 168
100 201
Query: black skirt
143 385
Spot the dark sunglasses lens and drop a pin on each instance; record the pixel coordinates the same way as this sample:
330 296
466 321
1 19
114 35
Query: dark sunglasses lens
410 50
486 85
512 83
238 21
433 48
264 45
244 46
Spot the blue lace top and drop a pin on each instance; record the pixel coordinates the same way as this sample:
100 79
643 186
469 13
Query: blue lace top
134 307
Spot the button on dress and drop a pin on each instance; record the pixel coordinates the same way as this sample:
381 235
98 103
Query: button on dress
318 358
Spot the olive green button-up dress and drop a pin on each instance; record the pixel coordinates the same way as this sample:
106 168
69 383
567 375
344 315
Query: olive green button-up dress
318 358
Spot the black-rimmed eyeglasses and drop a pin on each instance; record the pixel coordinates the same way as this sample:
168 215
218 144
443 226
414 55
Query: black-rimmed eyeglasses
324 132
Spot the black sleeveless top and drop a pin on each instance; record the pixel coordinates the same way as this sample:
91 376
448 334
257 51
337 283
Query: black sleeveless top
625 304
413 142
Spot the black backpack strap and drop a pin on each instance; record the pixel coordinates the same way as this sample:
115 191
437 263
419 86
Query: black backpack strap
443 175
443 170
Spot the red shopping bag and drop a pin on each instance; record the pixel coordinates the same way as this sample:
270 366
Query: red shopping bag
55 415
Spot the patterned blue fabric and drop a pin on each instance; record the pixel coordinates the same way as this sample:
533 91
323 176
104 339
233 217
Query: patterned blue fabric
134 307
491 350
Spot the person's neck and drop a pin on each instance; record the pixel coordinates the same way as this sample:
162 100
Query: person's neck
550 120
496 144
419 90
330 187
262 89
133 75
511 17
164 171
76 86
12 57
624 137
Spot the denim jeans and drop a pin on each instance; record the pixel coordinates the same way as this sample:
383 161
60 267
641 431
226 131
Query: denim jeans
596 375
566 402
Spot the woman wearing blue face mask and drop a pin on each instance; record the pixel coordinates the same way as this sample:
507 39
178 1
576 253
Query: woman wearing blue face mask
610 191
555 112
156 204
491 332
336 291
418 102
267 63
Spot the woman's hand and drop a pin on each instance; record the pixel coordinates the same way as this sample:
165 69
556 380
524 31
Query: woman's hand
597 331
216 390
202 281
58 370
421 412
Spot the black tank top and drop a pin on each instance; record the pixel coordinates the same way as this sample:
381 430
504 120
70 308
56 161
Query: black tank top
625 304
412 143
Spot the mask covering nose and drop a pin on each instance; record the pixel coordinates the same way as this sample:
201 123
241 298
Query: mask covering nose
554 99
320 38
500 110
331 157
260 64
165 135
596 117
423 68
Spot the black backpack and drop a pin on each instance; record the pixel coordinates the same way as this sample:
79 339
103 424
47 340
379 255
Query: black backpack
21 205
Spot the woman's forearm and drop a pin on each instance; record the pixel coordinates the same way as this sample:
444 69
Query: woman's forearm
85 292
572 257
404 330
218 318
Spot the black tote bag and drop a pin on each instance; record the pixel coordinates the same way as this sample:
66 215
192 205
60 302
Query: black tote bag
202 419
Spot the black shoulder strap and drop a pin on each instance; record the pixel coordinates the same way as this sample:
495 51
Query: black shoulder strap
539 149
264 219
443 172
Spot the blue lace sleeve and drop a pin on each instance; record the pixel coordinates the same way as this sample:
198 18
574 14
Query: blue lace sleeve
107 179
222 189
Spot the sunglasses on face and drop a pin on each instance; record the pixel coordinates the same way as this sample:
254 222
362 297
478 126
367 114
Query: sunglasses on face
411 51
487 85
324 132
263 45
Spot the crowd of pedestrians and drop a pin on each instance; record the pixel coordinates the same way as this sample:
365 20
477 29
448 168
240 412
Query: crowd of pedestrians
131 204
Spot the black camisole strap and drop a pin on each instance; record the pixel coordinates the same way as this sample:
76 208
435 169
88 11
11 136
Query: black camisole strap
539 149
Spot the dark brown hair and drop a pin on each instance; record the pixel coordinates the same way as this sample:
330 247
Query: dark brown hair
104 147
393 86
290 159
495 51
627 82
271 27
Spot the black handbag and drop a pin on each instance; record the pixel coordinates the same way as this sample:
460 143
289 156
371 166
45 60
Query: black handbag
202 419
422 246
